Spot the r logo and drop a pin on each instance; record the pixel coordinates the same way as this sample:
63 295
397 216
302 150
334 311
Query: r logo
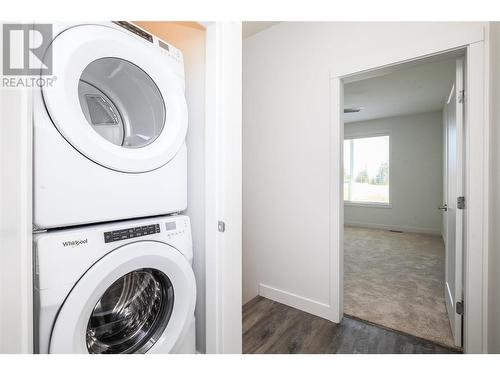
24 48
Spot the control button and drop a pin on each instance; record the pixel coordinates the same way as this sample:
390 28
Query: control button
123 234
108 237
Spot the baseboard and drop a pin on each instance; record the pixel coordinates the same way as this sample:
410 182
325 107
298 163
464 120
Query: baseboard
293 300
394 227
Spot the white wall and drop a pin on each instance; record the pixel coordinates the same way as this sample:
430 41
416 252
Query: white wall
189 37
494 253
286 135
416 174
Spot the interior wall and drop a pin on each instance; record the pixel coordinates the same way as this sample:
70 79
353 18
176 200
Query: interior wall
494 252
286 134
189 37
415 174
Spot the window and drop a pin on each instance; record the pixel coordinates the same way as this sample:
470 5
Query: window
366 170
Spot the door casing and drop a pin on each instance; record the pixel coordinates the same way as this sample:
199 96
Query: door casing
475 184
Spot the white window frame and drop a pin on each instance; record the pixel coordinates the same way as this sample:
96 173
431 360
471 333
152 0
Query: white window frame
355 135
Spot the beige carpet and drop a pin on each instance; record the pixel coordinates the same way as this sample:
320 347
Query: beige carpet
397 280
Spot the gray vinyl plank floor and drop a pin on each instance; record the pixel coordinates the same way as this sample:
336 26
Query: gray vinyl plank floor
271 327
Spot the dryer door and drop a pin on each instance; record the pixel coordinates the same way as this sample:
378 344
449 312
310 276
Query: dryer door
116 99
139 298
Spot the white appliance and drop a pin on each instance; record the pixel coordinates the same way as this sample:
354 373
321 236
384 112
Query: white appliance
109 133
126 287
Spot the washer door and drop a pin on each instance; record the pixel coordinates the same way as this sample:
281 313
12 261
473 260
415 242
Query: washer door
139 298
115 99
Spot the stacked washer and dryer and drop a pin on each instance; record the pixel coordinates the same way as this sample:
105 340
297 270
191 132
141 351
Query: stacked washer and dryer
113 256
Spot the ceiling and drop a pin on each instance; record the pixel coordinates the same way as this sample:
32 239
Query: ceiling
417 89
253 27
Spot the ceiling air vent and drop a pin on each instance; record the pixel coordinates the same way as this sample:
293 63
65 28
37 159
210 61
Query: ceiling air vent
353 110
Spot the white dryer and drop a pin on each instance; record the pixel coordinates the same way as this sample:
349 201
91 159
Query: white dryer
109 133
126 287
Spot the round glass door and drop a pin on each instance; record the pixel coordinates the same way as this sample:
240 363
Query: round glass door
121 102
132 313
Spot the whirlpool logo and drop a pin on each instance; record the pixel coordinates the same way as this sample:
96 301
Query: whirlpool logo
75 243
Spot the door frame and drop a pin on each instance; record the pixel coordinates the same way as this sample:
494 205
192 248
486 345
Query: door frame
223 188
476 192
16 260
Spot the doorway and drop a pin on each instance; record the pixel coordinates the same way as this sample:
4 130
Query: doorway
403 140
473 185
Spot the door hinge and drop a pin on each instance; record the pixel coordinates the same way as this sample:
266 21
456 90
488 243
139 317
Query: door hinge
459 308
221 226
461 96
460 203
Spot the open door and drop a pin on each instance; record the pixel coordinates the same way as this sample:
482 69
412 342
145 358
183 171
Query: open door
453 203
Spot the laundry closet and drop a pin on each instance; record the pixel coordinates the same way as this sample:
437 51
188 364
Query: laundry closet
109 189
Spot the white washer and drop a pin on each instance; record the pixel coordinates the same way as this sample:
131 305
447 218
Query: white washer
109 134
126 287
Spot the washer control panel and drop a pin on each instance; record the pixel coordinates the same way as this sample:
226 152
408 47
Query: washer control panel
173 229
124 234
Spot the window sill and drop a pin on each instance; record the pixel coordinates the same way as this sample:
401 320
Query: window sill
368 204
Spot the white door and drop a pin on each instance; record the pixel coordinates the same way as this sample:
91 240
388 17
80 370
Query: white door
453 215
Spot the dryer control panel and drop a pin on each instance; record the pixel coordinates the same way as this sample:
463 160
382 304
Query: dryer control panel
124 234
165 48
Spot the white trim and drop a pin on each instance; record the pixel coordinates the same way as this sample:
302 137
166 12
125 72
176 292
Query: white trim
223 188
477 203
431 231
476 180
365 72
294 300
212 274
16 276
336 204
